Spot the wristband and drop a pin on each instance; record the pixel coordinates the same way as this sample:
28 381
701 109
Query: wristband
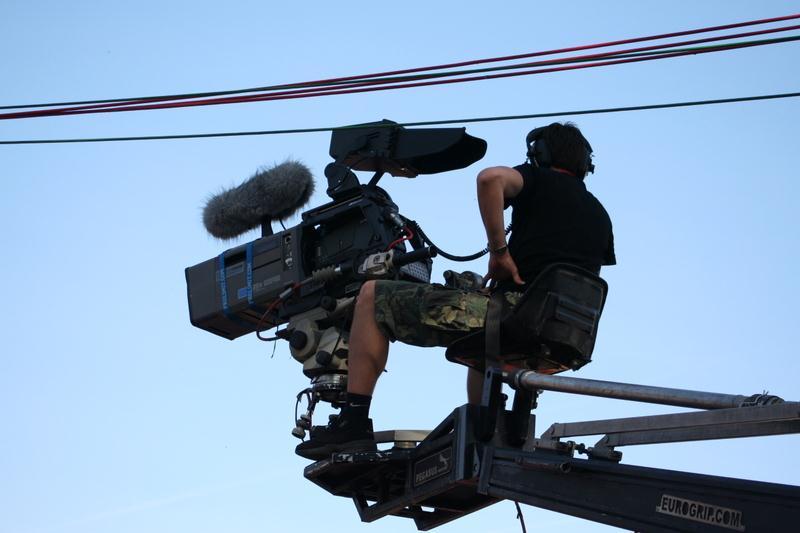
500 251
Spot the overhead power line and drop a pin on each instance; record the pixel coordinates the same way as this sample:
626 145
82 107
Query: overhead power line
420 123
420 69
383 84
414 77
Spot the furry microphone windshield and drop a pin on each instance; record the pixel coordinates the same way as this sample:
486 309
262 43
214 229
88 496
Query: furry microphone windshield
272 193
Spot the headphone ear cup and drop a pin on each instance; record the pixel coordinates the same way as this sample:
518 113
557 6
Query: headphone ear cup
537 148
589 151
530 144
541 153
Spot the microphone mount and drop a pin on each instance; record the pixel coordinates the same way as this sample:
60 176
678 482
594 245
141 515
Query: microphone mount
342 182
266 227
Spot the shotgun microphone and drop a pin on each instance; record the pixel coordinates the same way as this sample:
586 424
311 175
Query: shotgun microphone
271 194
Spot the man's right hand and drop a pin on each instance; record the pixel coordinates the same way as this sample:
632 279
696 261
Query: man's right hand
501 268
496 185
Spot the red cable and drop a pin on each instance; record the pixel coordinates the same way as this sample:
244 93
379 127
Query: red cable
565 50
133 105
359 88
407 237
274 305
339 89
130 105
490 60
98 108
527 55
271 307
353 88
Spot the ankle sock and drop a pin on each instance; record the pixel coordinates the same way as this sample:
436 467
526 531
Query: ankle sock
357 406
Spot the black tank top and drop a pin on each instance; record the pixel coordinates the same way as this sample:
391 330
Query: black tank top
556 220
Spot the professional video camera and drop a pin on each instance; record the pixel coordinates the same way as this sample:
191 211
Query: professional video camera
308 275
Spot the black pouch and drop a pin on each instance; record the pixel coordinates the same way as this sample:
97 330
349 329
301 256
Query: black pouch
551 328
561 311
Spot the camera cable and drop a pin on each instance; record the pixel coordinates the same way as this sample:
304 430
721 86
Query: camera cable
520 517
274 305
452 257
408 235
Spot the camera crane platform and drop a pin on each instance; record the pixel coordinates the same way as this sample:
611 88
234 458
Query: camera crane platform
307 277
482 454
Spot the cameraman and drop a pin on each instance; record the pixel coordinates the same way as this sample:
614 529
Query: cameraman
555 220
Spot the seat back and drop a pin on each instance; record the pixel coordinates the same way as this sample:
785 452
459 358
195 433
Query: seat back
561 310
553 327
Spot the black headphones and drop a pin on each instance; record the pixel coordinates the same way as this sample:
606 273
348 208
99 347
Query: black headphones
539 152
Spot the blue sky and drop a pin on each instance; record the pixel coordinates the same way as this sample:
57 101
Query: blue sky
119 416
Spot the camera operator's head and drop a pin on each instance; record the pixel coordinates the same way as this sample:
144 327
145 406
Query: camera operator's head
562 146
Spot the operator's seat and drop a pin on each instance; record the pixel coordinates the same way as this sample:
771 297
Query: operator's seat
551 329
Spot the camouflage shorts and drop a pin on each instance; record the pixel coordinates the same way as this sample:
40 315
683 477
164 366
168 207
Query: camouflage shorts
429 315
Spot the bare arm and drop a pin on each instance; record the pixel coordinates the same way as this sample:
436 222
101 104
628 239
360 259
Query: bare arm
495 185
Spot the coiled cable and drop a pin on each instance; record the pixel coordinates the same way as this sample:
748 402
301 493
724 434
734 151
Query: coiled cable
452 257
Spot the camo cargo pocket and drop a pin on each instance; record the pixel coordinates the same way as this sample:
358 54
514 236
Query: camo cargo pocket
428 315
453 310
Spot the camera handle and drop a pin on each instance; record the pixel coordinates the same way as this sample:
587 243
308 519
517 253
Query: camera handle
381 264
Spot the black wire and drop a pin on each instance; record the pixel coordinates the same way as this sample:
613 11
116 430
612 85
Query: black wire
460 258
136 100
296 405
396 79
457 258
179 96
419 123
269 339
300 394
345 318
336 344
521 518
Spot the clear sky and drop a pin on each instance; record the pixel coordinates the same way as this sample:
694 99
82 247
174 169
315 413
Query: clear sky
118 415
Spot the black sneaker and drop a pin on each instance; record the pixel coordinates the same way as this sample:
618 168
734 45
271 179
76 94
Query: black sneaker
340 435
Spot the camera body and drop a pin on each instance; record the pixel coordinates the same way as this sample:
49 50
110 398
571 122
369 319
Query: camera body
230 294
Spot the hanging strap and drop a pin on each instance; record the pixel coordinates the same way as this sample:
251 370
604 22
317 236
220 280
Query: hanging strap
494 313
